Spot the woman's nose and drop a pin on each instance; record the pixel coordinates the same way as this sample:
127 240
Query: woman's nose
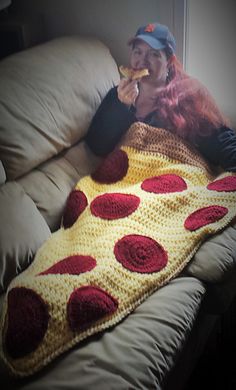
145 59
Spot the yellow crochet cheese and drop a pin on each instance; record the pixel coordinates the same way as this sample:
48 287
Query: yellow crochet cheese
127 230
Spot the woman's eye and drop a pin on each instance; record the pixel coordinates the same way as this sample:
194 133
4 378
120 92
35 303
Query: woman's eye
155 54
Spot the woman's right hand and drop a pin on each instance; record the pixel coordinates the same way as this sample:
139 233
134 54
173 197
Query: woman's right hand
128 91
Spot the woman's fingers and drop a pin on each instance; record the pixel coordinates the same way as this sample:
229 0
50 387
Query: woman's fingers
132 95
127 91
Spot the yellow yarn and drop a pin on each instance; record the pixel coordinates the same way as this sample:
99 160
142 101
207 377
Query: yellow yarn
158 216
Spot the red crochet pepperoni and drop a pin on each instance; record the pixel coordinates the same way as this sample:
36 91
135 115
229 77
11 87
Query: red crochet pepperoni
204 216
113 168
87 305
140 254
27 322
226 184
114 206
73 265
75 205
164 184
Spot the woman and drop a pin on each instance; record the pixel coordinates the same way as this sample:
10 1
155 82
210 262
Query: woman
167 98
134 224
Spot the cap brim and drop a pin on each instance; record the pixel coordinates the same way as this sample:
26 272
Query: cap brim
153 42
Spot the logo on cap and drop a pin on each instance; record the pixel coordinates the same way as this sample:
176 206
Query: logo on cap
150 28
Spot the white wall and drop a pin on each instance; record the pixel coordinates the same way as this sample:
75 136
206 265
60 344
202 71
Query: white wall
211 49
113 21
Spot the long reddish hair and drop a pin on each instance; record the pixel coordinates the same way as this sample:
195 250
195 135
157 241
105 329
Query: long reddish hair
185 106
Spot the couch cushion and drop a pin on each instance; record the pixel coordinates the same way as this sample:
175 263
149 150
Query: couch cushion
215 261
136 354
2 174
48 95
22 232
55 179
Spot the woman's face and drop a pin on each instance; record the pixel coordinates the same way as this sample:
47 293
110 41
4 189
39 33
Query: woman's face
144 56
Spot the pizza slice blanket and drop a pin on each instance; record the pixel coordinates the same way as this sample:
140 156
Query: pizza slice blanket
127 230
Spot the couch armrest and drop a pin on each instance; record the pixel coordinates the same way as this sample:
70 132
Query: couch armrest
22 232
215 260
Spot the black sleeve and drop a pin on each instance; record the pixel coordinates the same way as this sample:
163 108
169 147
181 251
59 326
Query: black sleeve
109 123
220 148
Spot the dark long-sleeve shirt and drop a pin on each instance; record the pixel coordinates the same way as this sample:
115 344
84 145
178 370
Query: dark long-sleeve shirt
113 118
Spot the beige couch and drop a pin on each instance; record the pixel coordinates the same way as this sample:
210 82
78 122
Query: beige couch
48 96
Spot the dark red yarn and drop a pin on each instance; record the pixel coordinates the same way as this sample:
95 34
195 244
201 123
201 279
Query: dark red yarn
140 253
75 205
226 184
204 216
114 205
87 305
73 265
27 322
164 184
113 168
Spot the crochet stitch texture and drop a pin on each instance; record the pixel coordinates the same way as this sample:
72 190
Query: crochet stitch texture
127 230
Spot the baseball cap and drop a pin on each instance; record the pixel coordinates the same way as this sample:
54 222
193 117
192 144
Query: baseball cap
157 36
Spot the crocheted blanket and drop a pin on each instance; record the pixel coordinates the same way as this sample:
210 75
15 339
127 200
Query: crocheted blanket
127 230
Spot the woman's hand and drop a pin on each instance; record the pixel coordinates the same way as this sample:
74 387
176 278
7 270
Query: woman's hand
128 91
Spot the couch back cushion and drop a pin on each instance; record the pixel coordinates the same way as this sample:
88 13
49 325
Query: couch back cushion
48 96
